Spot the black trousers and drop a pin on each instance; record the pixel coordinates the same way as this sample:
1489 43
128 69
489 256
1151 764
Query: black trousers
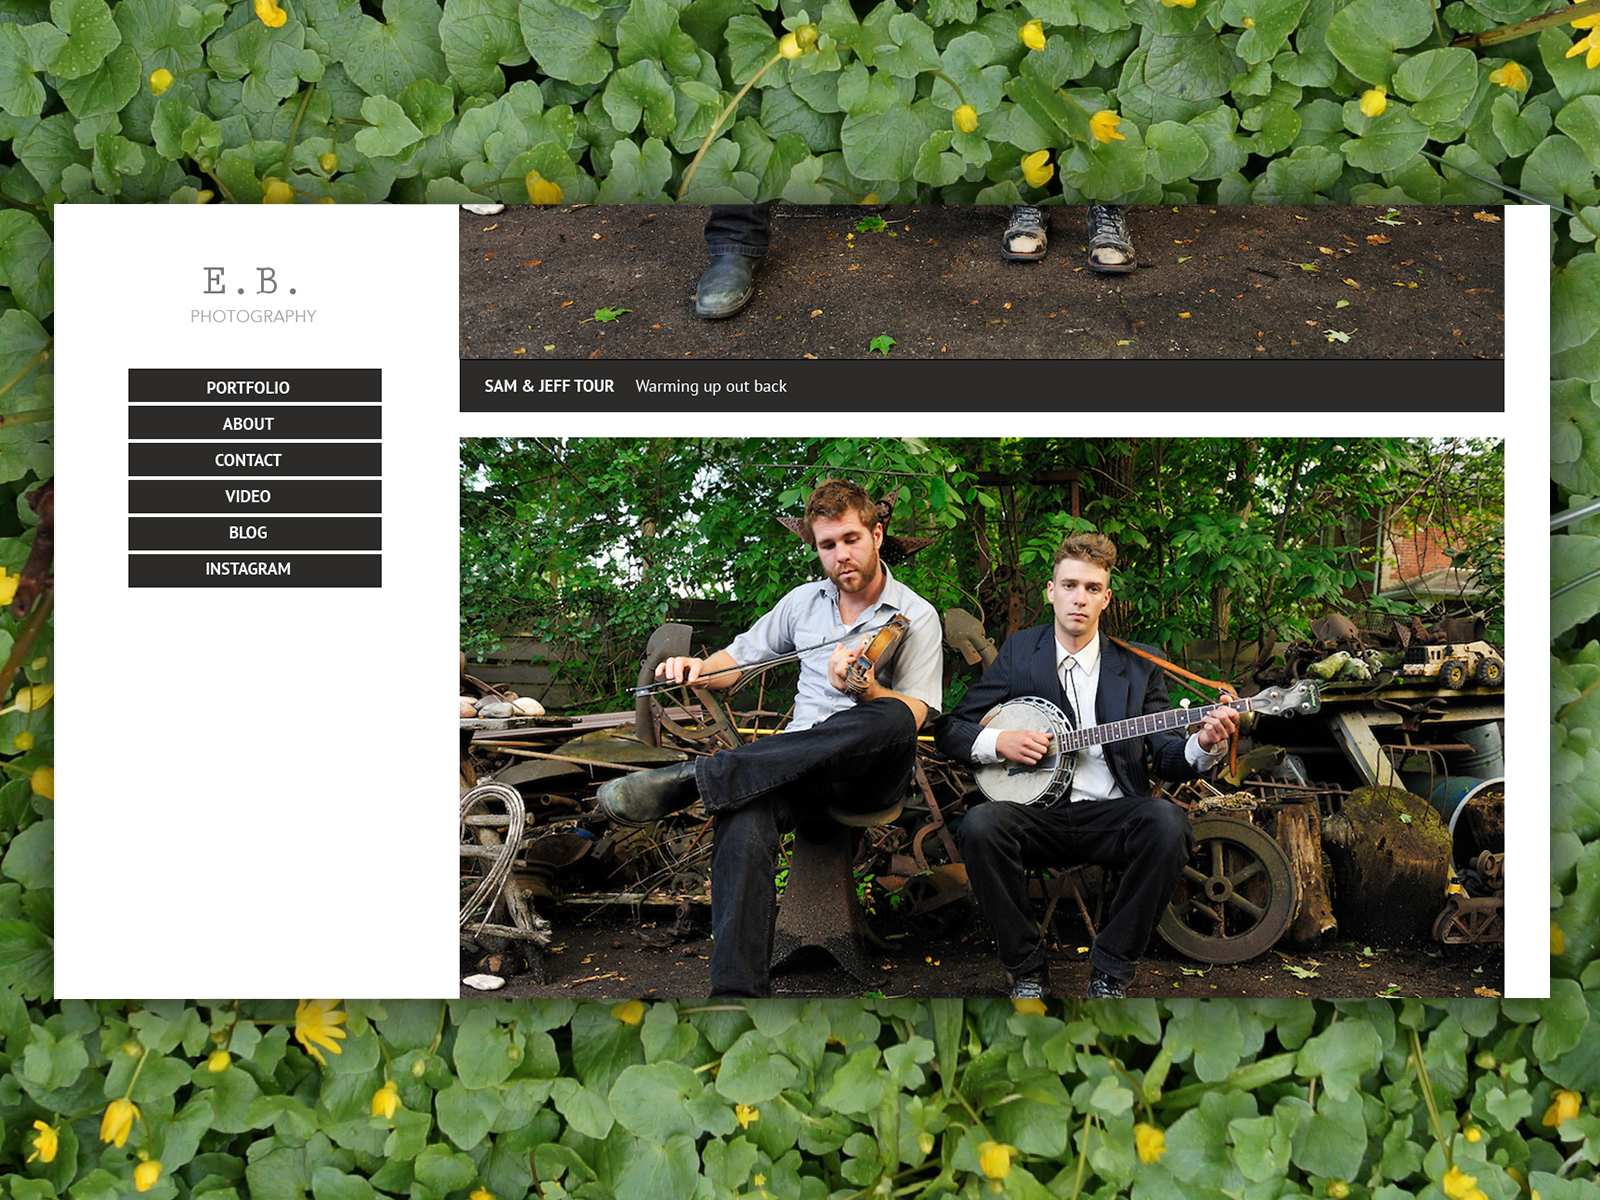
861 758
1149 838
739 229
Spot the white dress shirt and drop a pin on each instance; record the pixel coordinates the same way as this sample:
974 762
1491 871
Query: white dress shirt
1091 778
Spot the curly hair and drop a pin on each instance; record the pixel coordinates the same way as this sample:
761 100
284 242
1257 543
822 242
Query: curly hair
1094 548
835 499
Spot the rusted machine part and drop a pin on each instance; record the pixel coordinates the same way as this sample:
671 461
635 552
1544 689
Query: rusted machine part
1058 884
1468 921
819 907
1492 867
486 809
1236 895
964 634
928 899
670 640
934 824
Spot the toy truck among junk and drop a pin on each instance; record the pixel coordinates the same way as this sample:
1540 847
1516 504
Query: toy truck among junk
1453 664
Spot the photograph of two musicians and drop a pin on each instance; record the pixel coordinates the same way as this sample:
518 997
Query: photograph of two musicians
854 733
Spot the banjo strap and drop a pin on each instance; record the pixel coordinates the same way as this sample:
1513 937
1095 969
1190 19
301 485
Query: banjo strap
1218 685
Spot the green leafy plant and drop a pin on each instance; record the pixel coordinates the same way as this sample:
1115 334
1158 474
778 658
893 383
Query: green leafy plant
610 314
883 343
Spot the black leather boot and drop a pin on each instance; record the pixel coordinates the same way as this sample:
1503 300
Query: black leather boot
644 797
726 286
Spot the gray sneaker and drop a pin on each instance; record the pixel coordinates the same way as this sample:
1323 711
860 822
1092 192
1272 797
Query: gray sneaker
1026 237
1031 985
1110 246
1105 987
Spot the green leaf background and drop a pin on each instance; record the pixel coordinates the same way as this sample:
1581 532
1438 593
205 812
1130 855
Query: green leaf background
1232 101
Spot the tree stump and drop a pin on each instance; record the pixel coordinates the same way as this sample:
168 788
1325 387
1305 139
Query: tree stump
1390 854
1298 829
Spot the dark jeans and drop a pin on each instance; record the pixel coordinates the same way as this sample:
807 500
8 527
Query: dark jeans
861 758
1149 838
739 229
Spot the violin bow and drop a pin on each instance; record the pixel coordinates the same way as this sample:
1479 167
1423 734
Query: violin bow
792 656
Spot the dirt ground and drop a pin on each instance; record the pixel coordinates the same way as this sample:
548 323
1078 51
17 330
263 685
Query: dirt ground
613 953
1336 283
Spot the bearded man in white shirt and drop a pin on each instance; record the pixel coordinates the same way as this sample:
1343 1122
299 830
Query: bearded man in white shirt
1108 816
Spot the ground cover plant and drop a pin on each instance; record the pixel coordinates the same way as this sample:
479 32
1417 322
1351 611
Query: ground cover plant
808 101
477 1099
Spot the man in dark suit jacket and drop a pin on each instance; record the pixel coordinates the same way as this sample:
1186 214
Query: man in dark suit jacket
1107 816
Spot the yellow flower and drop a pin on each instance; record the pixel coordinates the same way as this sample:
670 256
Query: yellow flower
386 1100
271 15
1458 1185
23 742
1037 168
1150 1142
146 1174
328 162
807 36
870 198
1338 1189
1177 3
1032 35
1564 1105
789 46
43 782
1591 43
482 1194
1558 940
1030 1008
746 1115
1510 76
995 1159
1103 125
966 118
1472 1133
160 80
45 1143
118 1121
276 192
218 1061
30 698
541 190
629 1012
1374 101
8 586
318 1021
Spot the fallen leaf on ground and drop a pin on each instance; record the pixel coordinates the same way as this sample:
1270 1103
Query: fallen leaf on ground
1483 216
1376 239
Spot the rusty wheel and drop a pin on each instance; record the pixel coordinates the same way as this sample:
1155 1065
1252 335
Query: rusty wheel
1465 922
1236 896
692 716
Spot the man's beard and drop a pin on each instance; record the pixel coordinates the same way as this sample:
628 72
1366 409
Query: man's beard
866 573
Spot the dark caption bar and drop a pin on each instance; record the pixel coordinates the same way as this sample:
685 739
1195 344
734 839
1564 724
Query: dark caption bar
1122 385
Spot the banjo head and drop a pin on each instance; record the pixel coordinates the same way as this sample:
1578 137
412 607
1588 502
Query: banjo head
1015 783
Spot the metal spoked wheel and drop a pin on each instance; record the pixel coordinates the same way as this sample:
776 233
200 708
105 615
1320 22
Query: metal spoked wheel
1236 896
691 717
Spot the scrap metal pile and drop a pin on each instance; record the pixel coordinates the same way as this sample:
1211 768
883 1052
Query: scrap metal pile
1283 848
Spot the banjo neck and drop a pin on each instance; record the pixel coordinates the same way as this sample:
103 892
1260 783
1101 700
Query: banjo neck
1133 727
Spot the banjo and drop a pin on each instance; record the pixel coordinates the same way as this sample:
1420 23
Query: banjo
1051 776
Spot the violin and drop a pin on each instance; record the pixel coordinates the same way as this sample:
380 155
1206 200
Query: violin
882 647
